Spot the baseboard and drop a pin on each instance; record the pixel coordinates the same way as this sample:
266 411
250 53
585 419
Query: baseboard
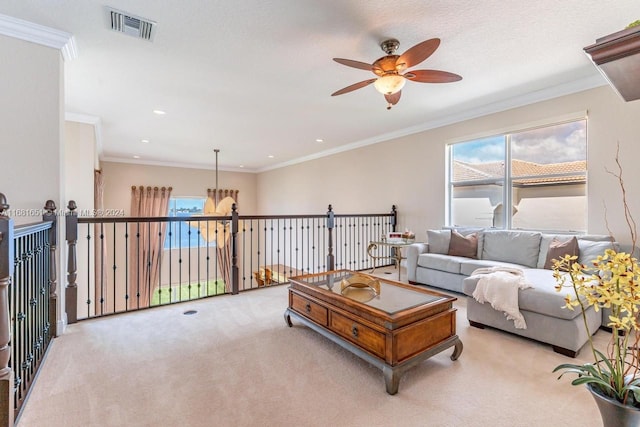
61 325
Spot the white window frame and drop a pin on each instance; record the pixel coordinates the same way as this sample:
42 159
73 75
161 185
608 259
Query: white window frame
507 180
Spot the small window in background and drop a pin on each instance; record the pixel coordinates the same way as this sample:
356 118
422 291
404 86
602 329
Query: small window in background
182 234
544 182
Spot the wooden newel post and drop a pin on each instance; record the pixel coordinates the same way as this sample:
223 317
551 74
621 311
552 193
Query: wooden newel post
330 226
394 217
50 215
71 292
393 221
235 272
7 396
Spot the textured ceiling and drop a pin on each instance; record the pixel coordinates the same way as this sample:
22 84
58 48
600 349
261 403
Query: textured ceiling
253 78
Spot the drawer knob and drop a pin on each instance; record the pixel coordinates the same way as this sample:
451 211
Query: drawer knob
308 308
354 331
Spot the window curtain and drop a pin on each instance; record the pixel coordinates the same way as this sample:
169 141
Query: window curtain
146 240
222 193
101 297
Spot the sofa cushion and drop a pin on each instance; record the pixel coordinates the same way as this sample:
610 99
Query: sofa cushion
448 263
479 231
465 246
468 266
559 249
517 247
438 241
542 298
589 250
545 241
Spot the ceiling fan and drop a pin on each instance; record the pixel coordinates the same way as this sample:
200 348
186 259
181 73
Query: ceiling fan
389 69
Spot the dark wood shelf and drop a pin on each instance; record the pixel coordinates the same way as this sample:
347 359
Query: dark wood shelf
617 56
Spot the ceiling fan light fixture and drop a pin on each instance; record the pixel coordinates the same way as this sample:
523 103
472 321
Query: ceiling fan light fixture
389 84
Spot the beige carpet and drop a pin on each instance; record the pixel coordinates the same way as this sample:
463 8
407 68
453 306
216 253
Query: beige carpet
235 363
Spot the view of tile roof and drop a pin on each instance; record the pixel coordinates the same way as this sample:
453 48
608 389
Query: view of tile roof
463 171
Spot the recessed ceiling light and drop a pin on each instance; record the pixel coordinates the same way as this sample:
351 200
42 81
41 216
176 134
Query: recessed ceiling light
136 157
241 166
270 156
145 141
319 140
159 112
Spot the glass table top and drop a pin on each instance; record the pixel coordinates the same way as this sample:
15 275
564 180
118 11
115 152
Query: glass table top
372 291
392 243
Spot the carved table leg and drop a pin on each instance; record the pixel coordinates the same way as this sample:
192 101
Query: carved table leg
391 379
457 351
287 318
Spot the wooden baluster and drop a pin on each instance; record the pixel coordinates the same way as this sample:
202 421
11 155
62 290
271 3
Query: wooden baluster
330 227
7 395
50 215
235 272
71 292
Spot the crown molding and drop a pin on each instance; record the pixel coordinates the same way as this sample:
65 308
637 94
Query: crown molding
173 164
578 85
39 34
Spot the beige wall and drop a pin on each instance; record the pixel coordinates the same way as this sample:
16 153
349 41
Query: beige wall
119 177
31 137
80 153
410 171
31 150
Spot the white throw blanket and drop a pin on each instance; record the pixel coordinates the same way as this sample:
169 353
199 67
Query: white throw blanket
499 286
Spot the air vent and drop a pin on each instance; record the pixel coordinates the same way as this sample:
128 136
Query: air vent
132 25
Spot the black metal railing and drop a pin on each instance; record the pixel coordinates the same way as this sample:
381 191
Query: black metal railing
28 304
134 263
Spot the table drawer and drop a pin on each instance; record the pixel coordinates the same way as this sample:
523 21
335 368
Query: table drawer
309 309
363 336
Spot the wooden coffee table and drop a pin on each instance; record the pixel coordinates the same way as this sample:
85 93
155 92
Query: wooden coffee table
391 325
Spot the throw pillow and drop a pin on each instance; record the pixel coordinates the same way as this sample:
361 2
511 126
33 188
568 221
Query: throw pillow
589 250
466 246
558 249
438 241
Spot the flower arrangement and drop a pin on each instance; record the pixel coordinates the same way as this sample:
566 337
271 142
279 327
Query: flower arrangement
612 281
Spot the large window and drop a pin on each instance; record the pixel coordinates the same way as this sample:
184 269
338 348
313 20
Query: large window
539 174
182 234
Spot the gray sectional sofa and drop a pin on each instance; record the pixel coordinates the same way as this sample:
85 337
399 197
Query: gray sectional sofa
541 306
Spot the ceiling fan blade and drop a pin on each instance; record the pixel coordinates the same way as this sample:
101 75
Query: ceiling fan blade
393 98
353 87
355 64
417 54
432 76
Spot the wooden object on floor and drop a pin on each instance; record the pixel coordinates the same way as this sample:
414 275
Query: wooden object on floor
394 330
617 56
275 273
